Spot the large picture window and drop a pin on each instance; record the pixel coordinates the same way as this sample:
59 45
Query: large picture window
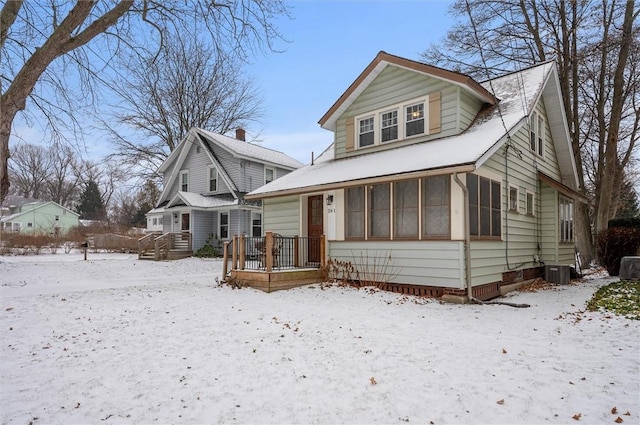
405 209
566 220
379 210
436 196
484 207
354 215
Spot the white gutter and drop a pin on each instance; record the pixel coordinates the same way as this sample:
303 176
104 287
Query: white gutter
467 238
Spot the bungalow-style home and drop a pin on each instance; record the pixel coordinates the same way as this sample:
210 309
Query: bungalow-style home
37 217
438 184
204 182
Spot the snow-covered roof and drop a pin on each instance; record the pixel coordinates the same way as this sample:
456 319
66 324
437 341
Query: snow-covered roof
242 149
197 200
517 92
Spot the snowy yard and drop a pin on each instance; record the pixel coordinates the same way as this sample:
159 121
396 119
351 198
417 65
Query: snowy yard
117 340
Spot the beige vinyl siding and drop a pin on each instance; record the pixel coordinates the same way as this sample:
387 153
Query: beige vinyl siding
282 215
437 263
487 262
396 85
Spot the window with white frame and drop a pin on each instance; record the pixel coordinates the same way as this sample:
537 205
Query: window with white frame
537 130
213 179
415 119
513 199
256 224
389 130
184 180
224 225
566 219
269 175
397 122
366 132
530 206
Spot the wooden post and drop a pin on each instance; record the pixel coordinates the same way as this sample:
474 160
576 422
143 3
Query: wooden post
225 259
296 254
234 254
242 252
269 250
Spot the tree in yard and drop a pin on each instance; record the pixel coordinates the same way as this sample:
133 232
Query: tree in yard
29 170
43 42
595 45
91 206
188 84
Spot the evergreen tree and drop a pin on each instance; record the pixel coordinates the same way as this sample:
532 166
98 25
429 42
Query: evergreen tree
628 204
91 206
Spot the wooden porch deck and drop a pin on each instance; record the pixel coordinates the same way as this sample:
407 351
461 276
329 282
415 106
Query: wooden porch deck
274 262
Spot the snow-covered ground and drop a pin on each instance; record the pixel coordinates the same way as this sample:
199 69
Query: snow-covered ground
117 340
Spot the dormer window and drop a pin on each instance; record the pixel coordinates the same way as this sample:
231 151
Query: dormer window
415 119
366 135
398 122
389 129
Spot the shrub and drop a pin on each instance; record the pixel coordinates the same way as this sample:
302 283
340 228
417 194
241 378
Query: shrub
209 250
615 243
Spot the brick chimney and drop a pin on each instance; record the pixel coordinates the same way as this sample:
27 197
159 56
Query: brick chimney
240 134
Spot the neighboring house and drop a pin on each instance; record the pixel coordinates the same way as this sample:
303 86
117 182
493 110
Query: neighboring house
36 217
410 142
204 182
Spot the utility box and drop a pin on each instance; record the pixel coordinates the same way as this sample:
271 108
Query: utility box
557 274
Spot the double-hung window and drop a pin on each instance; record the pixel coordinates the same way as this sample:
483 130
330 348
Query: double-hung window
530 207
184 180
224 225
213 179
269 175
484 207
537 130
513 199
415 119
366 132
389 129
256 224
566 219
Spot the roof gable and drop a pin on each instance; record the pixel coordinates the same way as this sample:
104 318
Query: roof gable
381 61
519 92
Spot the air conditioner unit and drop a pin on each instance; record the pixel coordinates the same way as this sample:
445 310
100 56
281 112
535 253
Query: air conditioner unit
557 274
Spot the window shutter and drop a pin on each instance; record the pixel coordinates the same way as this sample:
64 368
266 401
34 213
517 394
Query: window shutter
435 112
350 136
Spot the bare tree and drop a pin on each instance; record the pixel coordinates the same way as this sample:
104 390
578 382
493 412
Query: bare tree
513 34
43 42
188 84
62 182
29 170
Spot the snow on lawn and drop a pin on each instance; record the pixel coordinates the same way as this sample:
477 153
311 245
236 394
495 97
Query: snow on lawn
117 340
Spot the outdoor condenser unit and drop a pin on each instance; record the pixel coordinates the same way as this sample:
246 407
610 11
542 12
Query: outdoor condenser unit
557 274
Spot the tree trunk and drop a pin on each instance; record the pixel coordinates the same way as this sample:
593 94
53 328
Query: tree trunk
5 132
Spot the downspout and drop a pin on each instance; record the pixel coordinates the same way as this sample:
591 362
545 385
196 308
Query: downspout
467 237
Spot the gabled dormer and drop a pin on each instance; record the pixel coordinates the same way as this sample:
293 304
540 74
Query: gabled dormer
396 101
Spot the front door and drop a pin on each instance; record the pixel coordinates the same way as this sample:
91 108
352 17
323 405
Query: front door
314 226
185 222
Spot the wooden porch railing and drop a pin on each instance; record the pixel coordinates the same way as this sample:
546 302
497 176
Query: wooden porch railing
170 241
146 243
273 252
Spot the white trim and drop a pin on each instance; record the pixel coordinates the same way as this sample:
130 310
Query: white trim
401 110
273 170
181 183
